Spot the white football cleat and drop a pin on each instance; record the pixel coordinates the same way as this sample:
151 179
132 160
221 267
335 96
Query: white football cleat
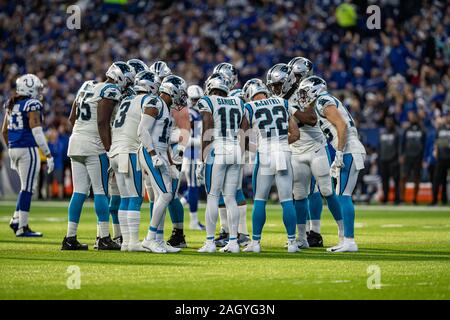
347 246
208 247
153 246
254 246
302 243
136 247
196 225
231 247
340 244
168 247
124 247
292 246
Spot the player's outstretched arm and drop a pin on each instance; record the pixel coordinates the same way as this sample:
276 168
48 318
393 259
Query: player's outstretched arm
73 114
145 128
293 131
332 114
105 109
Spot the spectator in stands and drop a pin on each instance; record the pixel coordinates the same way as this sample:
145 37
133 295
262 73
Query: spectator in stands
442 154
388 156
412 153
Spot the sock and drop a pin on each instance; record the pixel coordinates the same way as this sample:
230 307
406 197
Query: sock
133 218
211 215
16 212
102 211
194 217
223 219
184 201
75 207
334 206
315 226
176 212
24 207
258 218
315 205
114 204
159 212
289 218
233 215
151 234
301 212
340 224
123 220
348 215
159 235
243 219
193 193
150 205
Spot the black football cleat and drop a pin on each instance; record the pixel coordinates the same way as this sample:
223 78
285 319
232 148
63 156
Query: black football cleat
71 243
14 225
118 240
314 239
177 239
106 243
222 239
26 232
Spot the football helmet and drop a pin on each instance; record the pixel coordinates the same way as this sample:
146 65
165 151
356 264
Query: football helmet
176 88
137 65
280 79
229 71
301 67
146 81
252 87
29 85
237 93
217 81
121 74
195 92
310 88
161 69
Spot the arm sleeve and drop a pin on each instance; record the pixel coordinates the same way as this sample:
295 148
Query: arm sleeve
39 137
144 131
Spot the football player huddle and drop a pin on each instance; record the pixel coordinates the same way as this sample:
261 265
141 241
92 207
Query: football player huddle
143 127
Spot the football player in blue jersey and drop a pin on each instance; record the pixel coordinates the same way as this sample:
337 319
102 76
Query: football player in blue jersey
22 131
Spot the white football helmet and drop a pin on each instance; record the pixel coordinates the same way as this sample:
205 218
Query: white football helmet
146 81
121 74
195 92
161 69
280 79
228 71
310 88
237 93
252 87
217 81
137 66
176 88
29 85
301 67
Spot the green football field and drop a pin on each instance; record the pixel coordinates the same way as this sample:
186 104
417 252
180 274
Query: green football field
406 249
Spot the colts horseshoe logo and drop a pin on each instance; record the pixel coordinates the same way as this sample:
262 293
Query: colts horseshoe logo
29 85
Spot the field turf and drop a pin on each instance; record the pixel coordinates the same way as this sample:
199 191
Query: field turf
410 246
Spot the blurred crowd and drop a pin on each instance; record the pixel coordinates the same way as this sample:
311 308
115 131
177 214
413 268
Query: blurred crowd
397 73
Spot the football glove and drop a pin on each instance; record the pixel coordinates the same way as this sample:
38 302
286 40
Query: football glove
178 156
201 173
337 164
50 164
157 161
173 171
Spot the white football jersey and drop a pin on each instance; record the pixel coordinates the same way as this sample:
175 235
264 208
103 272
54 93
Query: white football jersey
270 119
352 145
311 137
162 127
125 125
85 139
227 113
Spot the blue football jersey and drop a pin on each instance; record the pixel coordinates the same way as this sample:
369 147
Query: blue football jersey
19 131
196 132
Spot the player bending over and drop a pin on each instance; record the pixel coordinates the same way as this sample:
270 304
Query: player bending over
339 129
222 119
22 131
270 117
154 132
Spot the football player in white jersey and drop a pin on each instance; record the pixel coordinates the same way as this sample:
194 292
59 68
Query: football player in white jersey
192 156
230 72
339 128
154 132
88 156
311 163
124 157
275 129
222 119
